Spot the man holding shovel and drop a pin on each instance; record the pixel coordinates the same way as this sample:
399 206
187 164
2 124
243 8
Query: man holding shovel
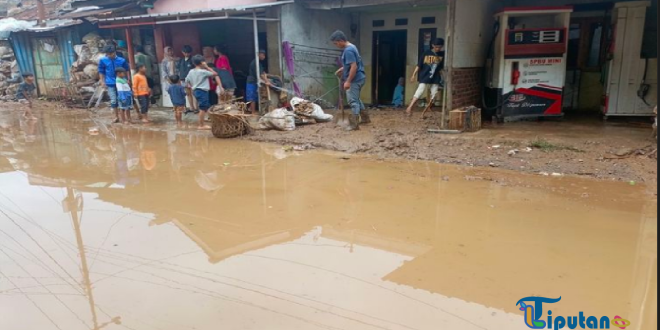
354 79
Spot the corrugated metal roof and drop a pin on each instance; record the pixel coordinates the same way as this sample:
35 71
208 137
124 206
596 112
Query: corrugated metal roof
198 12
13 25
94 11
31 14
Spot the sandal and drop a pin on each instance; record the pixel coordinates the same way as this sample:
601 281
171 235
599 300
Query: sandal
203 128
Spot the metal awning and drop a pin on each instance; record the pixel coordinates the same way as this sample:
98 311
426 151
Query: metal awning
237 12
90 13
9 25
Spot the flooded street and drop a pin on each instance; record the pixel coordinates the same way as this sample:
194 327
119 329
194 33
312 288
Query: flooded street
160 229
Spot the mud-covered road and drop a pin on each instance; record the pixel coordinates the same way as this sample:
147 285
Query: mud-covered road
158 227
582 147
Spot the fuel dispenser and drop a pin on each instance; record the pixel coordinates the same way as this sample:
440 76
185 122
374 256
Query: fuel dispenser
526 66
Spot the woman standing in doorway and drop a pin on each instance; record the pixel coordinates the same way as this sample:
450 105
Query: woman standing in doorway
167 68
224 70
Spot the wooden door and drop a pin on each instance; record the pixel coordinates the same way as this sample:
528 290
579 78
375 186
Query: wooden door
48 65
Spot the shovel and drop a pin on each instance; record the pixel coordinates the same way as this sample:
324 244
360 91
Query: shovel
97 96
341 119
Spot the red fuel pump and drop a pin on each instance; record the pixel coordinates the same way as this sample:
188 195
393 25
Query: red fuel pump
528 62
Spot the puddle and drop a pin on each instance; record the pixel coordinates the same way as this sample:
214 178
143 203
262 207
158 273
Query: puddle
131 229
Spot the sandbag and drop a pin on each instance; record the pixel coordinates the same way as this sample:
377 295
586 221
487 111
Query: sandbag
317 112
84 55
91 37
92 71
96 58
278 119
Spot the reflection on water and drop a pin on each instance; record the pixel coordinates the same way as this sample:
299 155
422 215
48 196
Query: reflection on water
155 229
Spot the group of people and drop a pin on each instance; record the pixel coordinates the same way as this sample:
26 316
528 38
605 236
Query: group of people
192 82
427 73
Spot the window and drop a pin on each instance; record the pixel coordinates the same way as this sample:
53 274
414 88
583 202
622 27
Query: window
428 20
378 23
401 22
596 33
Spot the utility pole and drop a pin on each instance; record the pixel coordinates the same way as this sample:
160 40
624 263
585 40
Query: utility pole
41 12
72 207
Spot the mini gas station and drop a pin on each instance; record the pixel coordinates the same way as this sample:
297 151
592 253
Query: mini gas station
549 61
528 65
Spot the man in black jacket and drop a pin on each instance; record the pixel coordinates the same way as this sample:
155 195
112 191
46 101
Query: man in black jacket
183 67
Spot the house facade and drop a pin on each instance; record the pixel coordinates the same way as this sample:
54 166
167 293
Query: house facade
390 34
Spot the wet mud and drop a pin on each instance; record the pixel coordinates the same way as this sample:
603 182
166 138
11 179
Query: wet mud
148 228
581 147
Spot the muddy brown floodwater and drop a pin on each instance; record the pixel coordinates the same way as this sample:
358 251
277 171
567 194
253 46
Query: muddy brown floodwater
143 229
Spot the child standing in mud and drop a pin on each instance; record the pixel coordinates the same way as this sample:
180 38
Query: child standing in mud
142 91
124 96
178 97
198 80
25 93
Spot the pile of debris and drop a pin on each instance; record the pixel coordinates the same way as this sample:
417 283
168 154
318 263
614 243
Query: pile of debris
304 113
10 75
84 71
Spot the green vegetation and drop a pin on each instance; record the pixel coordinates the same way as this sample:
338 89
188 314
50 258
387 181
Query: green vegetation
547 146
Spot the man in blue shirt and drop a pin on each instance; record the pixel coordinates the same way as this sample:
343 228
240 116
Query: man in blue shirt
354 79
108 75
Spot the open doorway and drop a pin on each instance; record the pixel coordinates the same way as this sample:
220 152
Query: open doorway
390 63
586 58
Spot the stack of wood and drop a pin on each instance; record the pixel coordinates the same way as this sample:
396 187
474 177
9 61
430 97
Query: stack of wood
466 119
304 111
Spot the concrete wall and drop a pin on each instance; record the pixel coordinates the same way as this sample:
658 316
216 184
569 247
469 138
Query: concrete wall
309 31
473 31
168 6
413 27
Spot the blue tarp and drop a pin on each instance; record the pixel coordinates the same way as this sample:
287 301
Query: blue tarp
65 39
20 42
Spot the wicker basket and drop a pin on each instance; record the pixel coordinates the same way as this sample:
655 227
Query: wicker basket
229 121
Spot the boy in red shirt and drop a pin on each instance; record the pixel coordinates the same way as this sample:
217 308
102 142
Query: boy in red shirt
142 91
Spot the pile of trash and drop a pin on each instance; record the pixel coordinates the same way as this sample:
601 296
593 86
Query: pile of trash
304 113
84 71
10 75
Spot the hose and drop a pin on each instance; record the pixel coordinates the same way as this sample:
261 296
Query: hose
484 74
644 87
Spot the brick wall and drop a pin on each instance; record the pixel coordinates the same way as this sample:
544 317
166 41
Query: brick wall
466 87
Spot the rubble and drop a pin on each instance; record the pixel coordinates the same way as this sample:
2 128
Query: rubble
84 71
10 76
